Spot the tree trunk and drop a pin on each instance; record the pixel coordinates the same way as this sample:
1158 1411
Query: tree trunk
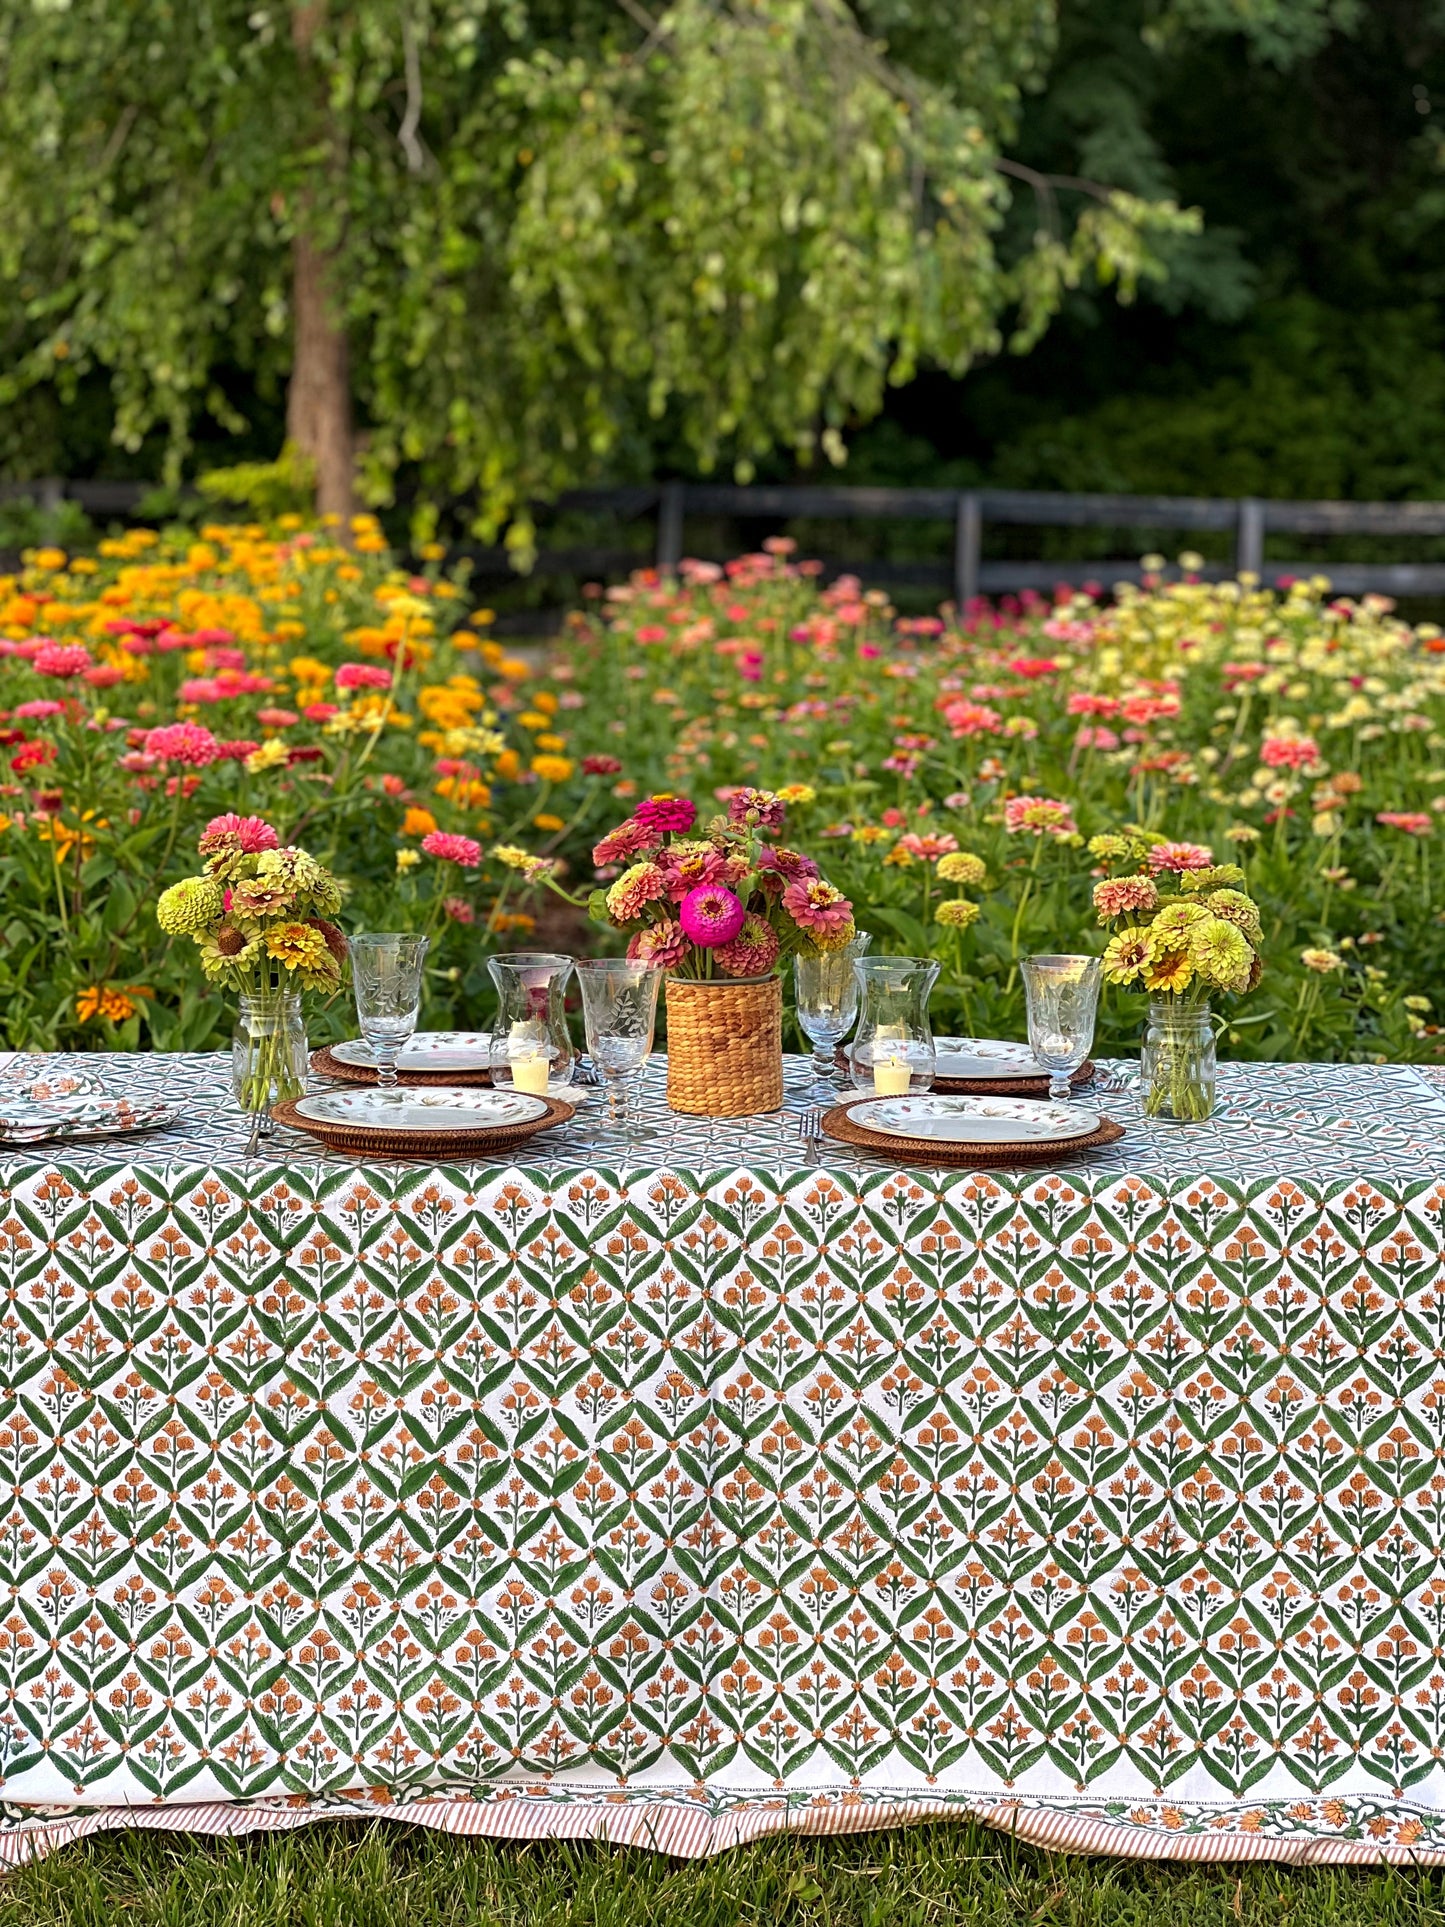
318 401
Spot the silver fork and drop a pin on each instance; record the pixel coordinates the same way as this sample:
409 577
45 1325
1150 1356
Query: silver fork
810 1130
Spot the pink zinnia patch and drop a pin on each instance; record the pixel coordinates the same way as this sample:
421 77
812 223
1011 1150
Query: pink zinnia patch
1039 816
711 915
625 841
33 712
1289 752
1412 822
451 848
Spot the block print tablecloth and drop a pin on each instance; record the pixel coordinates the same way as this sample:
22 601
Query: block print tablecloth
685 1500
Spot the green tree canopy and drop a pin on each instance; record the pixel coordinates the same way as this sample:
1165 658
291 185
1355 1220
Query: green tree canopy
519 234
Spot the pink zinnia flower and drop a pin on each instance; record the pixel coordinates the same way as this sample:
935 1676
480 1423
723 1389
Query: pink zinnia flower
971 719
929 847
1180 856
1118 896
458 910
644 883
664 945
181 743
779 867
104 675
1096 737
63 659
320 712
32 712
752 952
1289 752
237 751
277 718
201 689
453 849
691 871
1083 704
760 807
625 841
248 834
819 909
1413 822
711 915
601 766
1038 816
661 814
362 675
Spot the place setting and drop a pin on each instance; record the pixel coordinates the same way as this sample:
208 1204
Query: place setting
482 1093
951 1101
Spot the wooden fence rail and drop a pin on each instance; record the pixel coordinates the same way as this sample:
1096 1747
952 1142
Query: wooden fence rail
968 511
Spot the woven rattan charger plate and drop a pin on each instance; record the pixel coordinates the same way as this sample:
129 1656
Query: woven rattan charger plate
440 1147
989 1086
839 1125
325 1065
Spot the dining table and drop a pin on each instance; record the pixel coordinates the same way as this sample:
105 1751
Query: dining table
676 1492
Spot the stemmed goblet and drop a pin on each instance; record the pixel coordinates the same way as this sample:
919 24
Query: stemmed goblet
1063 1001
826 989
386 976
619 1010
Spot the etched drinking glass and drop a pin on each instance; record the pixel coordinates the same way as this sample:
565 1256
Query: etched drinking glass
826 990
386 976
619 1010
1063 1002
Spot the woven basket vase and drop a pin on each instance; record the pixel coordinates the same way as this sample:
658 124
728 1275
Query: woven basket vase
724 1047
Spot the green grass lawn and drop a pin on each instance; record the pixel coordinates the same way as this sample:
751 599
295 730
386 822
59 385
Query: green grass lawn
380 1875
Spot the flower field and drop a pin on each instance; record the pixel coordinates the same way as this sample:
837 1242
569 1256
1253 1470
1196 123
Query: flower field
949 774
167 680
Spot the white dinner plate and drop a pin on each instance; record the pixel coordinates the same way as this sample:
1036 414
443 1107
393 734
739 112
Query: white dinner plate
984 1057
80 1115
975 1120
427 1050
440 1108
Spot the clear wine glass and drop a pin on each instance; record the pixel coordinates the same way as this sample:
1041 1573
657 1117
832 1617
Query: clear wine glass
386 976
1063 1002
826 989
619 1010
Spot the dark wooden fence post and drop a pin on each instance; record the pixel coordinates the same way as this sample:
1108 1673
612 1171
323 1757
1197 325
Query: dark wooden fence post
669 527
967 547
1249 542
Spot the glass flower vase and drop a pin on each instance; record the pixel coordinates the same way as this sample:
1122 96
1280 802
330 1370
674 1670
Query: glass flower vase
1177 1062
269 1058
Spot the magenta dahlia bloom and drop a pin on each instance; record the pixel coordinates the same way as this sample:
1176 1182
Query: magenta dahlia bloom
661 814
182 743
711 915
760 807
248 834
752 952
663 944
453 849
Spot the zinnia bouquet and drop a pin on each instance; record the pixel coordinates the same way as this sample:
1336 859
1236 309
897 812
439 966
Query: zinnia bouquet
1184 931
723 902
260 916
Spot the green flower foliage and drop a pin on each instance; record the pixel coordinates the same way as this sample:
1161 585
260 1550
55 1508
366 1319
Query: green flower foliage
550 223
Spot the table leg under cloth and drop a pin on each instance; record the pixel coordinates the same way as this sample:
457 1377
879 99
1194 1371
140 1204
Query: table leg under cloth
684 1504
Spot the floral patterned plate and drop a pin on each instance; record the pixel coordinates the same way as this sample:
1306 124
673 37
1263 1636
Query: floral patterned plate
984 1057
437 1108
32 1119
428 1050
974 1120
